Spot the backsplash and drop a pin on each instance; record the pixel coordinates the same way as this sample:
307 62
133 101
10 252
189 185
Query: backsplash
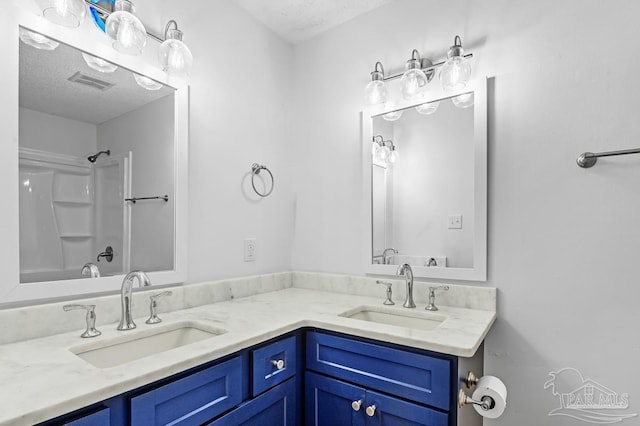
25 323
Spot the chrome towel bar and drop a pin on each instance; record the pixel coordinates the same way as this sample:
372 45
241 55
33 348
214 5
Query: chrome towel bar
588 159
134 199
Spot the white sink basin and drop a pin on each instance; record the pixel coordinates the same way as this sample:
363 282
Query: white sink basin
138 344
408 318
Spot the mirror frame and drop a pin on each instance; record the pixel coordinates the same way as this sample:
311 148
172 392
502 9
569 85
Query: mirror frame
434 93
90 40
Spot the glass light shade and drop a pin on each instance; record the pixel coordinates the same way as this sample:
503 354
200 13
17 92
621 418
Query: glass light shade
99 64
383 153
68 13
455 73
376 92
428 108
392 116
393 157
175 57
463 101
37 40
413 81
146 82
374 148
125 29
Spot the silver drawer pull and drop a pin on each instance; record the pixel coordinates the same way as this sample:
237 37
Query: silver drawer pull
356 405
278 364
371 410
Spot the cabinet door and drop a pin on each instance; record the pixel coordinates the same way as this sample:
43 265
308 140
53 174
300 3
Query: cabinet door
191 400
277 407
329 402
396 412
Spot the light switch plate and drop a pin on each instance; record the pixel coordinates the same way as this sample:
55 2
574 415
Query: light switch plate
249 249
455 221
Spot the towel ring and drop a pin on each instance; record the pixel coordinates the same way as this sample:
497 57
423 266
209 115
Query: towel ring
255 170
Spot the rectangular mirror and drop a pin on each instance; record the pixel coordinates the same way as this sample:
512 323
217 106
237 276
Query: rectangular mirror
425 185
102 156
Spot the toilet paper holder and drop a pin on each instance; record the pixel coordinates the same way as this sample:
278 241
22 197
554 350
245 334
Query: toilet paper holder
486 403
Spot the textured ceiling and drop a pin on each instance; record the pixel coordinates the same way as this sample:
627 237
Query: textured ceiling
299 20
44 87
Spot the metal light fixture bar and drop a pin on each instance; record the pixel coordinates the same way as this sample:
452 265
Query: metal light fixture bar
431 67
104 12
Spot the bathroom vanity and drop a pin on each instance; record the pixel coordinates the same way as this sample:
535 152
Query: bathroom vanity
285 355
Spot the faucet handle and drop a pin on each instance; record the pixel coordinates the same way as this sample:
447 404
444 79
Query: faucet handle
153 306
432 297
389 292
91 319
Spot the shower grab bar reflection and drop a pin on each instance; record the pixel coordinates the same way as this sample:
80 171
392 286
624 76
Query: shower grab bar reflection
588 159
134 199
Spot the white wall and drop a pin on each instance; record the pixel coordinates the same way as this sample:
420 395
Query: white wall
239 102
51 133
563 241
152 174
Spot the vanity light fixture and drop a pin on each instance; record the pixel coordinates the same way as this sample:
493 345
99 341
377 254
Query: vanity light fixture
392 116
99 64
376 91
68 13
414 80
454 74
37 40
384 151
428 108
456 71
125 29
175 57
146 82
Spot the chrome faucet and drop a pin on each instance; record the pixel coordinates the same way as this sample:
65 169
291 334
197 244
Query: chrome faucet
90 270
405 269
384 254
126 322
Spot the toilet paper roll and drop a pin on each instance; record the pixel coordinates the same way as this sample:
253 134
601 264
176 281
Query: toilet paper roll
493 387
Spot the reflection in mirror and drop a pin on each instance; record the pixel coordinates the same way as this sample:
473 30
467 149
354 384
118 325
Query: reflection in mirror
430 184
91 137
425 175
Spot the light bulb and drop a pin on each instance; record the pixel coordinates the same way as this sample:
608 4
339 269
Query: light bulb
392 116
456 71
376 91
125 29
393 157
414 80
383 153
146 82
428 108
174 56
463 101
37 40
99 64
68 13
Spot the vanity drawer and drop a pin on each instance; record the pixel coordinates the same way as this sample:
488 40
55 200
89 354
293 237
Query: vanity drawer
417 377
194 399
273 364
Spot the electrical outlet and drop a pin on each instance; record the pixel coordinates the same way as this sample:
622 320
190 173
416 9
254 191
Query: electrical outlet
455 221
250 249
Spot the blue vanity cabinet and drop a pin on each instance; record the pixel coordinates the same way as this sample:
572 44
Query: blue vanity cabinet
355 382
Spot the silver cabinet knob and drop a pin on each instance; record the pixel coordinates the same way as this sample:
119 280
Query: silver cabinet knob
356 405
371 410
278 364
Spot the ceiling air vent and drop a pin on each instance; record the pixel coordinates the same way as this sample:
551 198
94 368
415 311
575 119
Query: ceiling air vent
90 81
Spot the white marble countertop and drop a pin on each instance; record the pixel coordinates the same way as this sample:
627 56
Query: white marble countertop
41 379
